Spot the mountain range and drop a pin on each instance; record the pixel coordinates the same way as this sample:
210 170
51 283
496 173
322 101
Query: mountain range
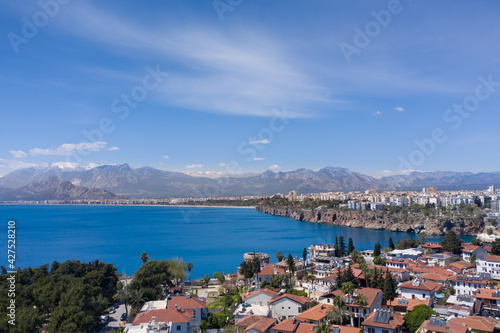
148 182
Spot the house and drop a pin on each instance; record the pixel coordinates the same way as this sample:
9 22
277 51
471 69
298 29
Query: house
439 259
435 247
315 315
255 324
267 273
287 305
403 305
469 324
467 285
419 290
475 324
295 326
177 321
440 325
438 278
459 267
373 300
397 263
197 305
490 301
452 311
383 321
258 297
472 250
489 264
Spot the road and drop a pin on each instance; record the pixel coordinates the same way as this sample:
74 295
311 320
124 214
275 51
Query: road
114 319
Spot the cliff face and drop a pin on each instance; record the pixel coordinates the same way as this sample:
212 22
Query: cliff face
378 220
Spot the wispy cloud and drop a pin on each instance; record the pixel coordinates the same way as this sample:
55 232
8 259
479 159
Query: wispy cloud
258 158
166 157
398 108
113 148
222 164
242 72
15 164
67 148
18 153
192 166
274 167
377 113
260 142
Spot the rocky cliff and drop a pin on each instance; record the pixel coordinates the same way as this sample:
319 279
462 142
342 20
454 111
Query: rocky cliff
377 220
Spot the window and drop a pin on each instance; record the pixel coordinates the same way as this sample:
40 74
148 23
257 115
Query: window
178 327
385 331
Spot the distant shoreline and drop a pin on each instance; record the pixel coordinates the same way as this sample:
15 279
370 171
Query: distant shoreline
132 205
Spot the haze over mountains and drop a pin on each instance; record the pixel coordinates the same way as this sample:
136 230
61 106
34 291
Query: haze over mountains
53 182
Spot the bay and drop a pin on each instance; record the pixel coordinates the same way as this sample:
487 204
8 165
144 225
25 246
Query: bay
212 238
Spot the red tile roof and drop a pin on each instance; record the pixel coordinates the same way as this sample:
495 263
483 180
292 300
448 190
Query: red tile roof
432 246
491 258
247 321
186 303
269 270
266 291
476 323
315 313
394 321
299 299
162 316
262 325
427 285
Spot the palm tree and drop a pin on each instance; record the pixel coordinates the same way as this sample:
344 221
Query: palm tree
124 295
136 298
144 257
348 289
189 268
323 327
337 315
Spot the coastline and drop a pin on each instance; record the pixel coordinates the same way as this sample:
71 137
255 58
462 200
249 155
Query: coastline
116 205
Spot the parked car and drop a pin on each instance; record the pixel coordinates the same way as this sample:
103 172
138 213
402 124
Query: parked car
112 310
103 319
123 317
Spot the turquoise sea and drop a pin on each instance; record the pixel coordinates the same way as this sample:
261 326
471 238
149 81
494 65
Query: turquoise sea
213 239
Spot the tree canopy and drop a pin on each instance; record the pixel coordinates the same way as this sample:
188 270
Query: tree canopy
417 316
451 242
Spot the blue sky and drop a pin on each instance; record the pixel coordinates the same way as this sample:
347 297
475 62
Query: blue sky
254 84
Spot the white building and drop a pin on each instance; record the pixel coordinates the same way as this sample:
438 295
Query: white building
490 264
288 306
467 285
419 290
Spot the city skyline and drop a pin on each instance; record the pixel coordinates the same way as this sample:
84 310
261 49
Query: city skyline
378 87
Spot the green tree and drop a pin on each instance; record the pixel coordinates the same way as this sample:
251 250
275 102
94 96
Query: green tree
220 277
422 237
144 257
495 247
336 247
378 261
350 246
279 256
205 280
342 252
304 255
124 295
189 267
177 269
337 315
290 263
323 327
391 244
417 316
451 242
389 287
376 249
